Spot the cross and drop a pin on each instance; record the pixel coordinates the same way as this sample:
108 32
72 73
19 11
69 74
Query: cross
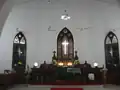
111 51
65 43
54 53
19 52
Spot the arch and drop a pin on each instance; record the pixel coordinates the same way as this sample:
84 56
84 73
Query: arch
65 36
19 51
111 50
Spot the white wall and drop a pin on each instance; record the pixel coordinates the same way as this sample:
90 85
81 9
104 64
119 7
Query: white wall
5 8
36 16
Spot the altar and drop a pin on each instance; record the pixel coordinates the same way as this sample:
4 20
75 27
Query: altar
66 75
65 62
65 55
65 65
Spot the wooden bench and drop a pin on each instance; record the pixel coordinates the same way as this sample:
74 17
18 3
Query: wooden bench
7 80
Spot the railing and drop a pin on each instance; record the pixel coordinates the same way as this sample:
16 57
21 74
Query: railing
52 75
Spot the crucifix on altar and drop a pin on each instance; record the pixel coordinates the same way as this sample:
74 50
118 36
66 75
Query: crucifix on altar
65 44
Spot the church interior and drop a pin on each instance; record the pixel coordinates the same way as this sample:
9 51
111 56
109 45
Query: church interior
60 44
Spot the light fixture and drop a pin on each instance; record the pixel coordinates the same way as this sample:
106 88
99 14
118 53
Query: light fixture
60 64
95 64
69 64
35 64
65 16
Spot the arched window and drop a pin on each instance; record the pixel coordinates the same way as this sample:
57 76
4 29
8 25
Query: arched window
19 51
111 50
65 45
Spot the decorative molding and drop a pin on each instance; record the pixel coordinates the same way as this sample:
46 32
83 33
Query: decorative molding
113 30
112 2
19 30
50 29
82 29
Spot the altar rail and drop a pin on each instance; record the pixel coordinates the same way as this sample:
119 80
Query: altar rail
57 74
60 76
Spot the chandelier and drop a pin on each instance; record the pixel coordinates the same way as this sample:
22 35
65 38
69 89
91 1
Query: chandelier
65 16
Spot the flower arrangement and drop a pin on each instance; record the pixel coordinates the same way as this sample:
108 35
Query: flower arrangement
76 62
54 62
20 63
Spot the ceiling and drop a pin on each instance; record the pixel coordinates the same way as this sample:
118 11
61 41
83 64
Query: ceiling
109 1
102 1
21 1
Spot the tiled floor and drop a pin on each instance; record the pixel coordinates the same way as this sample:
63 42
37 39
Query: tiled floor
24 87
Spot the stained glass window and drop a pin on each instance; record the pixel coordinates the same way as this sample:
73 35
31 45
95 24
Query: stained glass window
19 51
65 45
111 50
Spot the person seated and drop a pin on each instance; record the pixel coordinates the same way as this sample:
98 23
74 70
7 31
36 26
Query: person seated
44 65
87 64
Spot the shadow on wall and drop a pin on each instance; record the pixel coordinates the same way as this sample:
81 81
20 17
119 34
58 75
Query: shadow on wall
118 1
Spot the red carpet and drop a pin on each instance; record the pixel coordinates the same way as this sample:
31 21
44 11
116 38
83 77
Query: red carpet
66 89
